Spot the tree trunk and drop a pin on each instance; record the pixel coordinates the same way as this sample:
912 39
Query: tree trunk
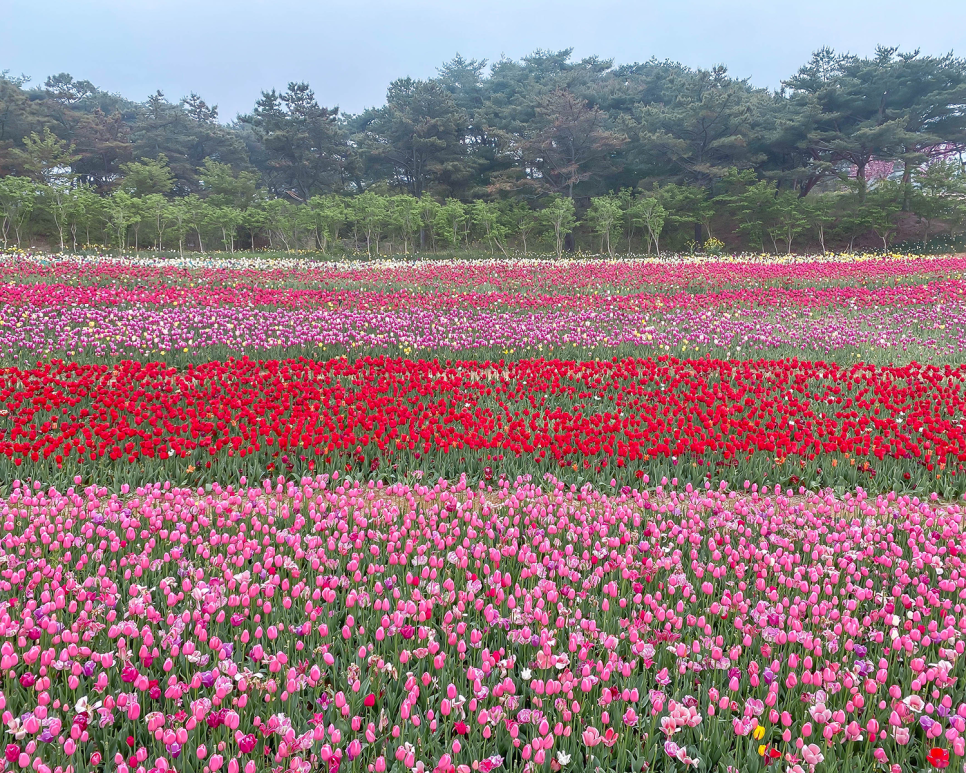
906 184
860 179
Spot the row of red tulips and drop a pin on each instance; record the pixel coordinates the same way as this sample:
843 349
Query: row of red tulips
797 422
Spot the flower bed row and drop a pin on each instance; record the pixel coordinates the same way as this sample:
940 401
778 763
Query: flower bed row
327 624
670 275
180 334
60 295
793 421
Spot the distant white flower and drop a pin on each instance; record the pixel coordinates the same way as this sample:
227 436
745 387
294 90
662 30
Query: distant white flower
526 673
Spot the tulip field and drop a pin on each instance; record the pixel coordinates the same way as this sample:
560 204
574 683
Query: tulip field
456 517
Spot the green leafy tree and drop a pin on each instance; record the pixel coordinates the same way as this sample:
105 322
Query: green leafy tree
141 216
939 194
156 208
756 212
305 145
224 186
450 219
649 213
147 176
328 216
46 159
63 88
789 218
18 198
567 143
819 212
121 210
427 210
198 110
688 208
486 217
416 140
703 129
604 216
255 219
558 219
56 200
627 200
883 205
370 211
925 93
103 143
853 116
404 216
186 138
19 116
283 223
521 222
854 218
226 220
195 215
178 219
83 211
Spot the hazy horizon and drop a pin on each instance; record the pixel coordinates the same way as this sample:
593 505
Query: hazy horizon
349 53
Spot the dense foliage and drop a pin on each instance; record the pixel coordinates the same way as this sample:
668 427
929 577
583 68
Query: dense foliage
643 155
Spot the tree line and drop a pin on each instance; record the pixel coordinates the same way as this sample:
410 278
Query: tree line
231 215
849 147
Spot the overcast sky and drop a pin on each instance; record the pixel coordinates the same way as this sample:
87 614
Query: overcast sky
349 50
